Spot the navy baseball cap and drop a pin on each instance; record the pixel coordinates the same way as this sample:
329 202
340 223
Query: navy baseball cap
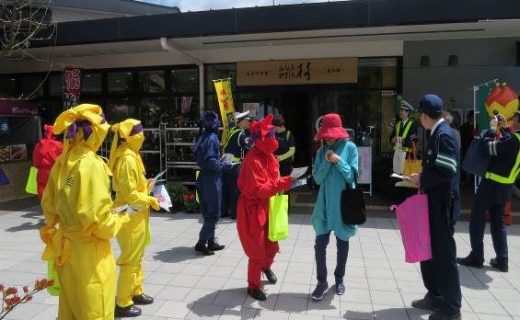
431 105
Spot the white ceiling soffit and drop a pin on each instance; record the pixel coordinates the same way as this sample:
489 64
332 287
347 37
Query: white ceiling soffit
483 29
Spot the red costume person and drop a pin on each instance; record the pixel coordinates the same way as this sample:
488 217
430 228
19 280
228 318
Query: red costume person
259 179
46 151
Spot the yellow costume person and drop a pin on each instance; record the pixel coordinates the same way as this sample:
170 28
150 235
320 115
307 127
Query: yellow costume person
79 222
131 188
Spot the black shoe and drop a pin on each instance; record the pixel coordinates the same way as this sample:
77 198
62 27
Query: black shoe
142 299
202 248
437 315
271 277
470 262
500 266
215 246
127 312
426 303
233 217
257 294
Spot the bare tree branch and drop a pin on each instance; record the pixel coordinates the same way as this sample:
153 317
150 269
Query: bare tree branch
22 23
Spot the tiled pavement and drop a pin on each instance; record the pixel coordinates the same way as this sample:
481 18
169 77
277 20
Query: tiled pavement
380 285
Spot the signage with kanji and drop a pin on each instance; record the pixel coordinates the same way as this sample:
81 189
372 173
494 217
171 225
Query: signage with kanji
294 72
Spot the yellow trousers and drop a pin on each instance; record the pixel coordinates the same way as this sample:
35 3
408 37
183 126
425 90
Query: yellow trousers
87 281
132 240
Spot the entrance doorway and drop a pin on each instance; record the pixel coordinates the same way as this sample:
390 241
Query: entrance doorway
297 111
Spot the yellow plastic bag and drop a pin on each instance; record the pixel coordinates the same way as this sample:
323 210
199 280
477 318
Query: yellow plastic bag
412 166
32 185
279 217
52 274
148 237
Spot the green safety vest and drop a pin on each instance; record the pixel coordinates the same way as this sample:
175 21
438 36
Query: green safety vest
405 133
232 132
512 175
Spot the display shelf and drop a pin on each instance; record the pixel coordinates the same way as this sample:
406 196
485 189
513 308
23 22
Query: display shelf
152 151
187 144
178 154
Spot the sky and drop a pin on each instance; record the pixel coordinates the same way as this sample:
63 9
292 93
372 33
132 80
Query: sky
198 5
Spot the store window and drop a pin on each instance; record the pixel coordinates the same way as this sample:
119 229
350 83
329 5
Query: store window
151 81
32 86
185 80
91 83
7 87
220 71
50 110
376 73
55 85
118 110
120 82
215 72
154 110
187 106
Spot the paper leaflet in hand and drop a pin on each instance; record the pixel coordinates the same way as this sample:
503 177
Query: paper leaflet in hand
399 176
162 195
126 208
156 178
298 172
299 183
227 157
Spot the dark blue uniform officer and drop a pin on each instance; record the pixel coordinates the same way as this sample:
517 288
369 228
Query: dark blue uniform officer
209 181
235 148
492 195
438 180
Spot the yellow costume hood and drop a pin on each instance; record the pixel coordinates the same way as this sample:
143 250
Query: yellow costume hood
84 127
130 133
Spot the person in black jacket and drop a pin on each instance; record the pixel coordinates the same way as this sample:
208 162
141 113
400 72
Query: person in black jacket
494 192
286 148
439 180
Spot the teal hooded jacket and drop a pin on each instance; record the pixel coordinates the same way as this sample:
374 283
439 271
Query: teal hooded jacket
333 179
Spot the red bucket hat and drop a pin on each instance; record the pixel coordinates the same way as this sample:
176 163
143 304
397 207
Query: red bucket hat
331 128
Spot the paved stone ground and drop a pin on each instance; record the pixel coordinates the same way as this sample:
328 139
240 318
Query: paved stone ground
380 285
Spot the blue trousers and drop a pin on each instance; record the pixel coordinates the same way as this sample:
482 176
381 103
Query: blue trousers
320 253
440 274
209 187
491 196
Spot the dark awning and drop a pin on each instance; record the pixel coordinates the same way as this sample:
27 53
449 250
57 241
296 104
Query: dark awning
316 16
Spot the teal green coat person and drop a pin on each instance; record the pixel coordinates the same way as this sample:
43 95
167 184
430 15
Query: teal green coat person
333 179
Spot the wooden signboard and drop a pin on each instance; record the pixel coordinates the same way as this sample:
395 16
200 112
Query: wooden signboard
295 72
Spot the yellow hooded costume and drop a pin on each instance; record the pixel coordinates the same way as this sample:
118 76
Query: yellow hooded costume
131 188
79 222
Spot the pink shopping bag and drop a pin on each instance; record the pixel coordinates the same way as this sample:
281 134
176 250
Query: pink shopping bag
414 224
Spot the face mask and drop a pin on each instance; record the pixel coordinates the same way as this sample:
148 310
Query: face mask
135 142
96 138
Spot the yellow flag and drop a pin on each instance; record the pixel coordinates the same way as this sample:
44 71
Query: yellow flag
225 102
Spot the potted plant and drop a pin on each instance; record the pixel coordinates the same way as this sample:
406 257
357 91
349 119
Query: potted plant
190 202
177 191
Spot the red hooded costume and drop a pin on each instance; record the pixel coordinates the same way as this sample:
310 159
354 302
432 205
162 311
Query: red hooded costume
46 151
259 179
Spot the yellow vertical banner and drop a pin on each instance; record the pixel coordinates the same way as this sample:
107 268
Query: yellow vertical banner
225 102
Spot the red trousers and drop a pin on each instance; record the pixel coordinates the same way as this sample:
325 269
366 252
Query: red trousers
260 250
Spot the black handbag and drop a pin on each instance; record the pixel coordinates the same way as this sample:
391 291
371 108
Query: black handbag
353 206
475 161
